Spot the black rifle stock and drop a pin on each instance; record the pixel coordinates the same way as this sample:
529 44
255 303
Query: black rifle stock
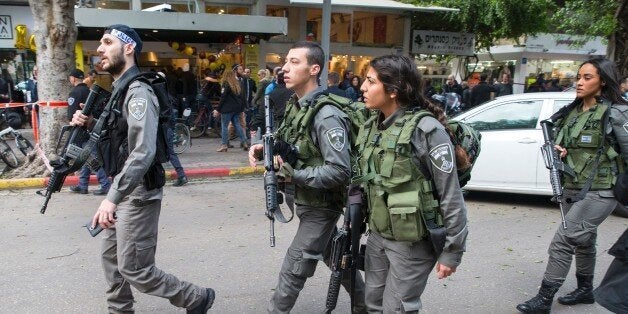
78 148
555 166
345 248
270 177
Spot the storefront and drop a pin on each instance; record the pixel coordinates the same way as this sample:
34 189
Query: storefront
16 60
554 55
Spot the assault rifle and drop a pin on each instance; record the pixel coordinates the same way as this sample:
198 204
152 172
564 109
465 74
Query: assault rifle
273 198
345 249
555 166
79 146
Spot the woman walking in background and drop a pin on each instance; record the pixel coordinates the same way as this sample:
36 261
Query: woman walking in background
232 104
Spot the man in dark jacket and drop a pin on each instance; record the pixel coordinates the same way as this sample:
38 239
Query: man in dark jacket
332 85
481 93
78 96
452 86
79 92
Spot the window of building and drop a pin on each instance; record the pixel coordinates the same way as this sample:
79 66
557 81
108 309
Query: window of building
213 8
108 4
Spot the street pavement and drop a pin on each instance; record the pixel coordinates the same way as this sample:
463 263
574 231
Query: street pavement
214 233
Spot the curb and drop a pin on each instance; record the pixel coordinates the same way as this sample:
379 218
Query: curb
27 183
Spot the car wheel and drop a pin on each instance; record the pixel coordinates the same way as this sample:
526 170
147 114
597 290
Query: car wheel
621 211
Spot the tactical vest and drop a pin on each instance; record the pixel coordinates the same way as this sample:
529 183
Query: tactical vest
295 129
581 133
401 200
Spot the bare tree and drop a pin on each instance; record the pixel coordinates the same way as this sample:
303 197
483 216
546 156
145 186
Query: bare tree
55 37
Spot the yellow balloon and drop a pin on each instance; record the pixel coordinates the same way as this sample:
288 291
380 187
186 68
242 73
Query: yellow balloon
189 50
175 45
213 66
31 43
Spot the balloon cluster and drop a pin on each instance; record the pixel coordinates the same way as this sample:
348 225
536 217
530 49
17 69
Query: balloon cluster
182 48
211 61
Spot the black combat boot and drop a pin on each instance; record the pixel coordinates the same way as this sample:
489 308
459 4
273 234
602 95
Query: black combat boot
584 293
542 302
207 303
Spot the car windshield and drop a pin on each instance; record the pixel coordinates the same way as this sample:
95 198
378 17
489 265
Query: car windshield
523 114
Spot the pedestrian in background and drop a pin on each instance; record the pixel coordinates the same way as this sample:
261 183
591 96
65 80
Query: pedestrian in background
401 249
77 97
333 79
452 86
353 92
346 80
504 87
624 87
480 93
231 106
319 174
581 133
90 79
182 179
130 212
277 101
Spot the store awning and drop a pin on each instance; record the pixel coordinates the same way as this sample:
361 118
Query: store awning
175 26
375 5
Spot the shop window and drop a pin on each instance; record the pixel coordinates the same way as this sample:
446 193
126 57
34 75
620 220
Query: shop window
226 9
380 30
105 4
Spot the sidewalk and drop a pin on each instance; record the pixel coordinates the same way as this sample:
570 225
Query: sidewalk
200 161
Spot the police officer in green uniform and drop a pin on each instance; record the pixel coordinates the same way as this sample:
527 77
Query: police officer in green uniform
130 212
408 164
320 173
580 135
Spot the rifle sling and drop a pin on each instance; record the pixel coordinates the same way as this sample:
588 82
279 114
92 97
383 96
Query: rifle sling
289 199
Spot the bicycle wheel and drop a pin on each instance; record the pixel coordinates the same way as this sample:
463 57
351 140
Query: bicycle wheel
198 125
181 138
8 156
23 144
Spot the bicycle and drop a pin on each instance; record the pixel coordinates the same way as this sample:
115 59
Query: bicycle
6 153
200 120
181 141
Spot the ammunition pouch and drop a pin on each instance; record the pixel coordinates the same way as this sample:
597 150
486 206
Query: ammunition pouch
155 177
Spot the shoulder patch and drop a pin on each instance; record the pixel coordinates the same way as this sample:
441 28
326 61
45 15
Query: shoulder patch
442 158
626 127
137 108
336 138
70 101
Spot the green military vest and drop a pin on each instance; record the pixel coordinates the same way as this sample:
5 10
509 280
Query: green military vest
581 133
295 129
400 198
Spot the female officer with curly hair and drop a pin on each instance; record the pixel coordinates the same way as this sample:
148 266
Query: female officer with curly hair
416 210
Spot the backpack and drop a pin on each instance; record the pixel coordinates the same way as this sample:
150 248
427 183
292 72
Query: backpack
158 83
469 139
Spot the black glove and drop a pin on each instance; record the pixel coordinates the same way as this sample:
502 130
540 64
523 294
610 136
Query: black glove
288 152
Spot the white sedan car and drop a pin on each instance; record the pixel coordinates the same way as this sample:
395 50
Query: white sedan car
510 160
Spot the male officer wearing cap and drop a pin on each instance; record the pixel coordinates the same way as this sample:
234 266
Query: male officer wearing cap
78 96
130 212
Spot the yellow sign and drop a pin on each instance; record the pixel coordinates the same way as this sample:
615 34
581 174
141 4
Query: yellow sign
251 56
78 52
